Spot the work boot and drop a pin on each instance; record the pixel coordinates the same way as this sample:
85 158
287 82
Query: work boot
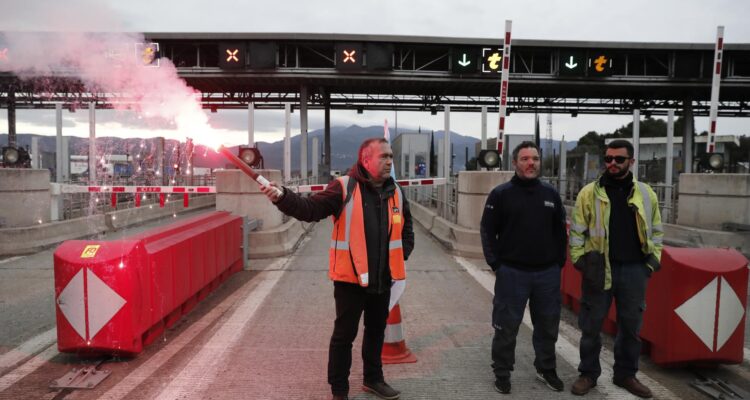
582 385
381 389
634 386
551 379
502 384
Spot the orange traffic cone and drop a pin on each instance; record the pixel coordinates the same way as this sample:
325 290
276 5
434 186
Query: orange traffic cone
394 346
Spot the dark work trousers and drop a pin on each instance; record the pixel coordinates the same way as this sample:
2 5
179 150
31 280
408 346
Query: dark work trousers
513 288
351 301
629 281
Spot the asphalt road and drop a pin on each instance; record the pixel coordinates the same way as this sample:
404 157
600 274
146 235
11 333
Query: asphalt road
264 334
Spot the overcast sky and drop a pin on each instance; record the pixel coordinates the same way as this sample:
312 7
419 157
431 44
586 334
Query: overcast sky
690 21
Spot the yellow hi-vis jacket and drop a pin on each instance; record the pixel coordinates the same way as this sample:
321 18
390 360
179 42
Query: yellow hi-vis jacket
589 229
347 258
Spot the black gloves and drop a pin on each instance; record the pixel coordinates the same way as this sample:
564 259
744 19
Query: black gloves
653 262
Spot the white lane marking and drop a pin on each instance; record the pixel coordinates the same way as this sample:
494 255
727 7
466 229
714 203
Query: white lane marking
11 259
136 377
28 348
202 369
28 367
568 351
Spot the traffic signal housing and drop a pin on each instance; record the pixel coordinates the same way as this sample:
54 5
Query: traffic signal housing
712 162
488 159
16 157
250 156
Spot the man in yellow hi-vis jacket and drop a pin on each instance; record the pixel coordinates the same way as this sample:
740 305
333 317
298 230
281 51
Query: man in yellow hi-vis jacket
615 241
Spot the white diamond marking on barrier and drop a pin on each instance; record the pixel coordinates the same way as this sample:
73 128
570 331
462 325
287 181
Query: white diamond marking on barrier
104 303
730 313
699 313
71 303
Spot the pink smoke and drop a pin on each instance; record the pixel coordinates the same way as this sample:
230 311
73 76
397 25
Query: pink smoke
109 64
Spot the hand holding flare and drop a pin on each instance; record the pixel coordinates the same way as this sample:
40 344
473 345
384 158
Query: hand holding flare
263 182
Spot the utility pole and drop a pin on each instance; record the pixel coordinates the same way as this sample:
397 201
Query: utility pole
549 143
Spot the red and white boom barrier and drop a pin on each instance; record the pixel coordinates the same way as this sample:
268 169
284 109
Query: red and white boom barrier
187 190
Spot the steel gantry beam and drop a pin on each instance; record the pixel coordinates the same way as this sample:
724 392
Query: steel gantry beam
421 74
354 101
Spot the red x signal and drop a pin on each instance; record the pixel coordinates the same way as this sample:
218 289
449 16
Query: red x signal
349 56
232 55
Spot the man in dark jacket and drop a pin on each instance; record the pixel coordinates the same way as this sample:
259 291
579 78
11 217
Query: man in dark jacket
524 242
371 239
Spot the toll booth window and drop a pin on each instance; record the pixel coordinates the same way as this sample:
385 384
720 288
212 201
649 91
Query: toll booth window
316 56
183 55
208 55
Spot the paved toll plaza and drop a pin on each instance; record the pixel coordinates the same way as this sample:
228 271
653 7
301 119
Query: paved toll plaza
264 334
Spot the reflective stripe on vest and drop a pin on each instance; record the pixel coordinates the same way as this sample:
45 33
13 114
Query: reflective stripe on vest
578 228
348 259
344 244
599 226
646 209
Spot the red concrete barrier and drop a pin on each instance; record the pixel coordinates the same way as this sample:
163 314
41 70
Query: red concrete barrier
114 297
695 306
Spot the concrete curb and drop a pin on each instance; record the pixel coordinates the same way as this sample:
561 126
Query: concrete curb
457 240
277 242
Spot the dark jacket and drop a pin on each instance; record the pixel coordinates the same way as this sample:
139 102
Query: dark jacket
523 226
375 207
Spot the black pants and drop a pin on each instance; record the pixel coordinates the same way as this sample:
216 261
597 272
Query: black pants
629 283
351 301
513 288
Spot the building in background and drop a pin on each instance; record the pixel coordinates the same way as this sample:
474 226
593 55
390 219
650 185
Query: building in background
411 155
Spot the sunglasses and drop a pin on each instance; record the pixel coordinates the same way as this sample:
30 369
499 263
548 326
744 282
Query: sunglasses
617 159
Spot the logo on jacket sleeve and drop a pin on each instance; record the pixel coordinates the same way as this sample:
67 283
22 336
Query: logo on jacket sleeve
549 204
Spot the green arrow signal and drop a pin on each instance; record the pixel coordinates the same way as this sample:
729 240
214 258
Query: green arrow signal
571 64
464 62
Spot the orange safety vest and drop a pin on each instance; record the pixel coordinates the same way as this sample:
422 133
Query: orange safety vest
347 257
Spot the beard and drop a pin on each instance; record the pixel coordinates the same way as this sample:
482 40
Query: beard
618 175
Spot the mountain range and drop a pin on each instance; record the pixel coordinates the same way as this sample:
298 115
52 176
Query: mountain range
345 142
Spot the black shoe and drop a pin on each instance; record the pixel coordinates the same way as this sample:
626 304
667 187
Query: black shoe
550 379
382 390
502 384
340 397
